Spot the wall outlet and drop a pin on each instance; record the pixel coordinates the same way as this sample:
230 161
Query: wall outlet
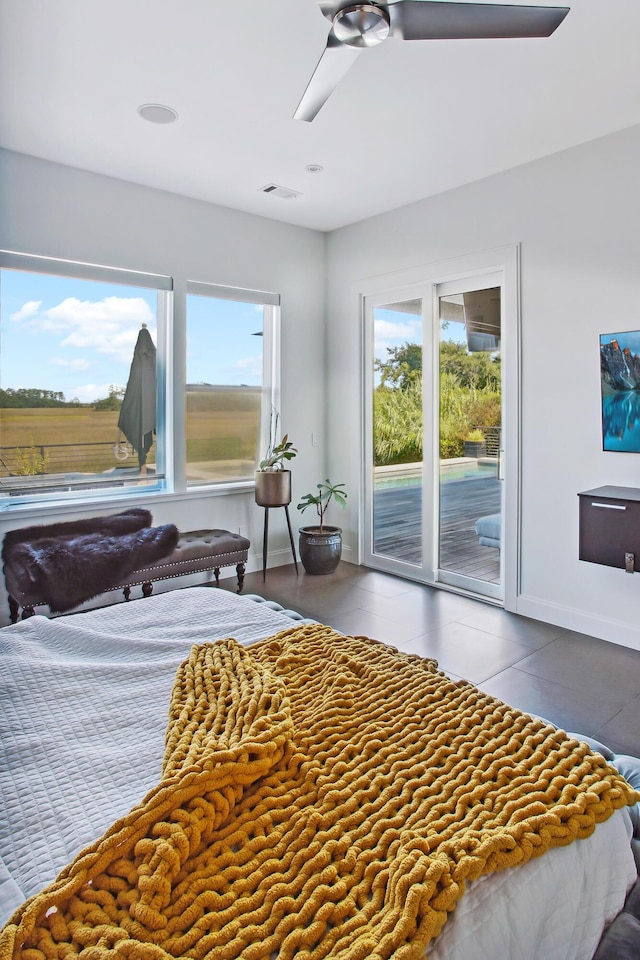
315 440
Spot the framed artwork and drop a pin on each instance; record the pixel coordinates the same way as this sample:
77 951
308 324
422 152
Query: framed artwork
620 387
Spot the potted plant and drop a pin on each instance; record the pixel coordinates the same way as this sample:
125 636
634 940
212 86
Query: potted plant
273 481
475 444
321 545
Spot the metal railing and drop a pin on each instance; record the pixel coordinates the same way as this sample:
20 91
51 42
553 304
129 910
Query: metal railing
492 439
43 460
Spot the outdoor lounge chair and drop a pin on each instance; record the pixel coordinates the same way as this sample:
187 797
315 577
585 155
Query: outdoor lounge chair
488 530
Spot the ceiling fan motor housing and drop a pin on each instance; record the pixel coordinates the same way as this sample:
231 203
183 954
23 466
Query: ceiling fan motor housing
361 25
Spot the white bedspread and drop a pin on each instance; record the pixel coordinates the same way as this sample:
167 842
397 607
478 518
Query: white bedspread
80 745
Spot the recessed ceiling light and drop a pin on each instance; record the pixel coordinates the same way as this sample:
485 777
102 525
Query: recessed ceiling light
314 168
157 113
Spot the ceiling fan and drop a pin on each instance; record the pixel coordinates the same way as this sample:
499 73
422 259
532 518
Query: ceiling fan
360 25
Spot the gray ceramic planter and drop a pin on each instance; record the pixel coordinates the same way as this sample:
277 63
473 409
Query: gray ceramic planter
320 551
273 488
475 448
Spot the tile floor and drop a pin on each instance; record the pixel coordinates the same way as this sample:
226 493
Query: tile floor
580 683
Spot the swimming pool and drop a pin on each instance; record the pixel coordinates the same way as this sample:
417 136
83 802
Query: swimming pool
448 472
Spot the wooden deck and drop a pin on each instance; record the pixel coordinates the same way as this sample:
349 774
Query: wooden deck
398 525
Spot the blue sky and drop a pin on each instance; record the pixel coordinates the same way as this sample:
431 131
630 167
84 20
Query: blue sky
394 328
222 346
78 336
630 339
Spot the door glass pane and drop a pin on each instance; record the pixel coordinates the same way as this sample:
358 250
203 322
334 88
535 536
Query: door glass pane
397 432
470 431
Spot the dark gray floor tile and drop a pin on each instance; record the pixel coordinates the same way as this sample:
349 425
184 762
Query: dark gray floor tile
467 652
622 732
314 596
569 709
593 667
365 624
423 608
532 634
380 584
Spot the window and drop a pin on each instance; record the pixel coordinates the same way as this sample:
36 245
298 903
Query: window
231 381
87 373
76 415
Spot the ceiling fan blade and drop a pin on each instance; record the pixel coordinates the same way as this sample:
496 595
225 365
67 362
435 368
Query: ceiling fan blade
431 20
332 66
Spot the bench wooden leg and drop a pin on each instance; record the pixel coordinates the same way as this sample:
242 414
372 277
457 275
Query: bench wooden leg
28 612
240 571
126 593
147 589
14 609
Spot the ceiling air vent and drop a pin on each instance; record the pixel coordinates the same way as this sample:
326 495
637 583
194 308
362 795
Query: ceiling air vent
285 193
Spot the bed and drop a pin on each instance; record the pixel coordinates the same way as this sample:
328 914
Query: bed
84 734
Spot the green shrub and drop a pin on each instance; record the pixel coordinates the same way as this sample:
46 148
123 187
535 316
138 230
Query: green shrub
397 418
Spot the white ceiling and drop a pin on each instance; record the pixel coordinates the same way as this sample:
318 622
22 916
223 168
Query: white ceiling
410 119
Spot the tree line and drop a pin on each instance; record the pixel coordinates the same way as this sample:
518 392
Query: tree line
29 397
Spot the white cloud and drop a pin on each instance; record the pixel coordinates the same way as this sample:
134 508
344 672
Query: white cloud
250 368
90 392
109 326
252 363
27 310
386 330
78 365
389 334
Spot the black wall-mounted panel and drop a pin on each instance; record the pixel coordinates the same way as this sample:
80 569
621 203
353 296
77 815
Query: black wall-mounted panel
610 527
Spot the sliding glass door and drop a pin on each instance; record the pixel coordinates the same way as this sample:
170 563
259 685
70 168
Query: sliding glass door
470 436
397 430
433 433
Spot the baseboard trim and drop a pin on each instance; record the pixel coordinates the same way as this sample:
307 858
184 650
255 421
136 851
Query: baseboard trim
605 628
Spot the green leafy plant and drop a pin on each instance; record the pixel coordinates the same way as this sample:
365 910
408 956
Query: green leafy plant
475 436
469 394
327 492
277 452
31 462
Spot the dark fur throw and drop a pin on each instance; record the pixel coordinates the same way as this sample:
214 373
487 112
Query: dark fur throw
115 524
71 563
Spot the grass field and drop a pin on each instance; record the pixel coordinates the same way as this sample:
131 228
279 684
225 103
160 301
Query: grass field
222 425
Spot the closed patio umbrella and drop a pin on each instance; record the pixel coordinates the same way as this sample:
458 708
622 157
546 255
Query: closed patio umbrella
137 418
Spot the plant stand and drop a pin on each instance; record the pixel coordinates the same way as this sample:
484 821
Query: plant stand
273 489
265 539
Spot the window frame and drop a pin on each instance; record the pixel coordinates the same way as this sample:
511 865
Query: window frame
270 401
102 490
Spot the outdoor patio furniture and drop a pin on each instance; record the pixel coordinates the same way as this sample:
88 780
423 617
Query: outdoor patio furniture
488 530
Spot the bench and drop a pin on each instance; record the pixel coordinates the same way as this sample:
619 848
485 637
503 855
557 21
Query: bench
196 551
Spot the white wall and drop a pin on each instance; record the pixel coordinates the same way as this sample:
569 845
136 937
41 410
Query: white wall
53 210
577 218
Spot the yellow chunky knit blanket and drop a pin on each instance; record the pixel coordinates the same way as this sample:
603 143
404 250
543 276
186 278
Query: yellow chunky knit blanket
321 796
